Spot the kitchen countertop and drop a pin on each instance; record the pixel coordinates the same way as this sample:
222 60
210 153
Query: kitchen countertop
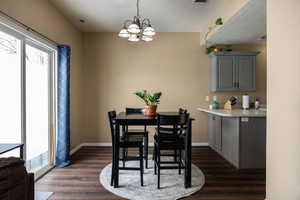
235 112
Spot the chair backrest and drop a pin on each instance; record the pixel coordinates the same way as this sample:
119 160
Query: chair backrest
167 120
111 117
182 110
134 111
186 125
183 116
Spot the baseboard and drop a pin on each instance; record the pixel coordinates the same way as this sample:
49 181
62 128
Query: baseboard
75 149
98 144
108 144
199 144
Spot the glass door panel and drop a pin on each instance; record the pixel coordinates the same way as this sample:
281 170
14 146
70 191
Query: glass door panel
10 88
37 107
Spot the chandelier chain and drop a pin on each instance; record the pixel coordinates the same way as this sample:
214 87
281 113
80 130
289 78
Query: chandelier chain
138 8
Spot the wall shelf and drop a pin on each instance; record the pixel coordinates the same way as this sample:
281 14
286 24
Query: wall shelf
247 26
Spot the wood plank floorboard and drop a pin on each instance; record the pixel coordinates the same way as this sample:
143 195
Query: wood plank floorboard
80 181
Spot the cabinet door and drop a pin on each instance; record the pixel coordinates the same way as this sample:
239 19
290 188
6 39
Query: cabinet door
215 132
226 73
230 140
218 132
245 72
211 132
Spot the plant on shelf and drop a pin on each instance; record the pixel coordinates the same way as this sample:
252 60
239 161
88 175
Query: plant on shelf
151 101
218 48
212 48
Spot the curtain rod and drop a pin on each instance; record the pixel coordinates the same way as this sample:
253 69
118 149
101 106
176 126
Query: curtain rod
28 28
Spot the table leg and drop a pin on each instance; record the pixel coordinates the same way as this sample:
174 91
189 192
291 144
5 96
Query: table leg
117 152
22 152
188 158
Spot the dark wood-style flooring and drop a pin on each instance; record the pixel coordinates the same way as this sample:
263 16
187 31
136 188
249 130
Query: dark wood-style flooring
81 179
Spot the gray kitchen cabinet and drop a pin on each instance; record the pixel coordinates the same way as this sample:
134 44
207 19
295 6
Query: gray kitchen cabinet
230 138
233 71
240 140
215 132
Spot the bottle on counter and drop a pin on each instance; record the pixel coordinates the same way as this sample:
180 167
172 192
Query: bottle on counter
257 104
246 103
215 104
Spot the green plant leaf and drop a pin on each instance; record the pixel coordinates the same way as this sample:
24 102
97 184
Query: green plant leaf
219 21
148 98
208 50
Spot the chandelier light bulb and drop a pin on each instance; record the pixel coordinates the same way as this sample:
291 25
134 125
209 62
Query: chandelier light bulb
147 38
133 38
134 28
149 31
124 33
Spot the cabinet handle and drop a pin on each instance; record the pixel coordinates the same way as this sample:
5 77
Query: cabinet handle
237 84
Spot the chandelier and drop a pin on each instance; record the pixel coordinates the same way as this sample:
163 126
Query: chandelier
138 28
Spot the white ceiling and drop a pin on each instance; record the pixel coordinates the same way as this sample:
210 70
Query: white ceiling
247 26
165 15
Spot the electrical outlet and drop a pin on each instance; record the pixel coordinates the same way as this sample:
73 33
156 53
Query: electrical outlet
215 98
207 98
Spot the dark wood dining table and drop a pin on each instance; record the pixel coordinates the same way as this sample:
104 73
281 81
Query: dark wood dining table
124 119
4 148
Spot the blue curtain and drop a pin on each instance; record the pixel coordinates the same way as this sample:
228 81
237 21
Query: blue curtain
63 132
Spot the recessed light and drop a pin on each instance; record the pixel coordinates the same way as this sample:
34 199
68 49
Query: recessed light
262 38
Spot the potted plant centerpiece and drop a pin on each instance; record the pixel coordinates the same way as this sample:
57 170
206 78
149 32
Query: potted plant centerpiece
151 101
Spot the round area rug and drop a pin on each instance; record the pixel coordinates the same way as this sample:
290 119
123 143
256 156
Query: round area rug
172 184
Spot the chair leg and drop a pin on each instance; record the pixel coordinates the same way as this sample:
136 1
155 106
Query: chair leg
155 159
175 155
142 165
153 154
112 170
146 149
123 156
158 167
179 162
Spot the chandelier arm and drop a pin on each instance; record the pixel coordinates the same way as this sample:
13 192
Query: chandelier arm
127 23
146 22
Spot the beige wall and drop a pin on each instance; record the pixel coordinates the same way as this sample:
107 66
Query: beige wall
283 143
174 63
43 17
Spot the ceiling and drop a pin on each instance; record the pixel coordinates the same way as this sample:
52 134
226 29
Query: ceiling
165 15
247 26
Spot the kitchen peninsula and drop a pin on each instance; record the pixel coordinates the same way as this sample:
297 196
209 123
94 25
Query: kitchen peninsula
238 135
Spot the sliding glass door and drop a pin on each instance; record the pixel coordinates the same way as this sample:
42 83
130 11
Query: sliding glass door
27 103
10 87
37 106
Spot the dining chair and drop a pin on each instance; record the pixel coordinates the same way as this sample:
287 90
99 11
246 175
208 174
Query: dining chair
177 129
126 142
163 142
138 132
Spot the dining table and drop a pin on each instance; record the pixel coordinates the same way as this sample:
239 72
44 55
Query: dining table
4 148
123 119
